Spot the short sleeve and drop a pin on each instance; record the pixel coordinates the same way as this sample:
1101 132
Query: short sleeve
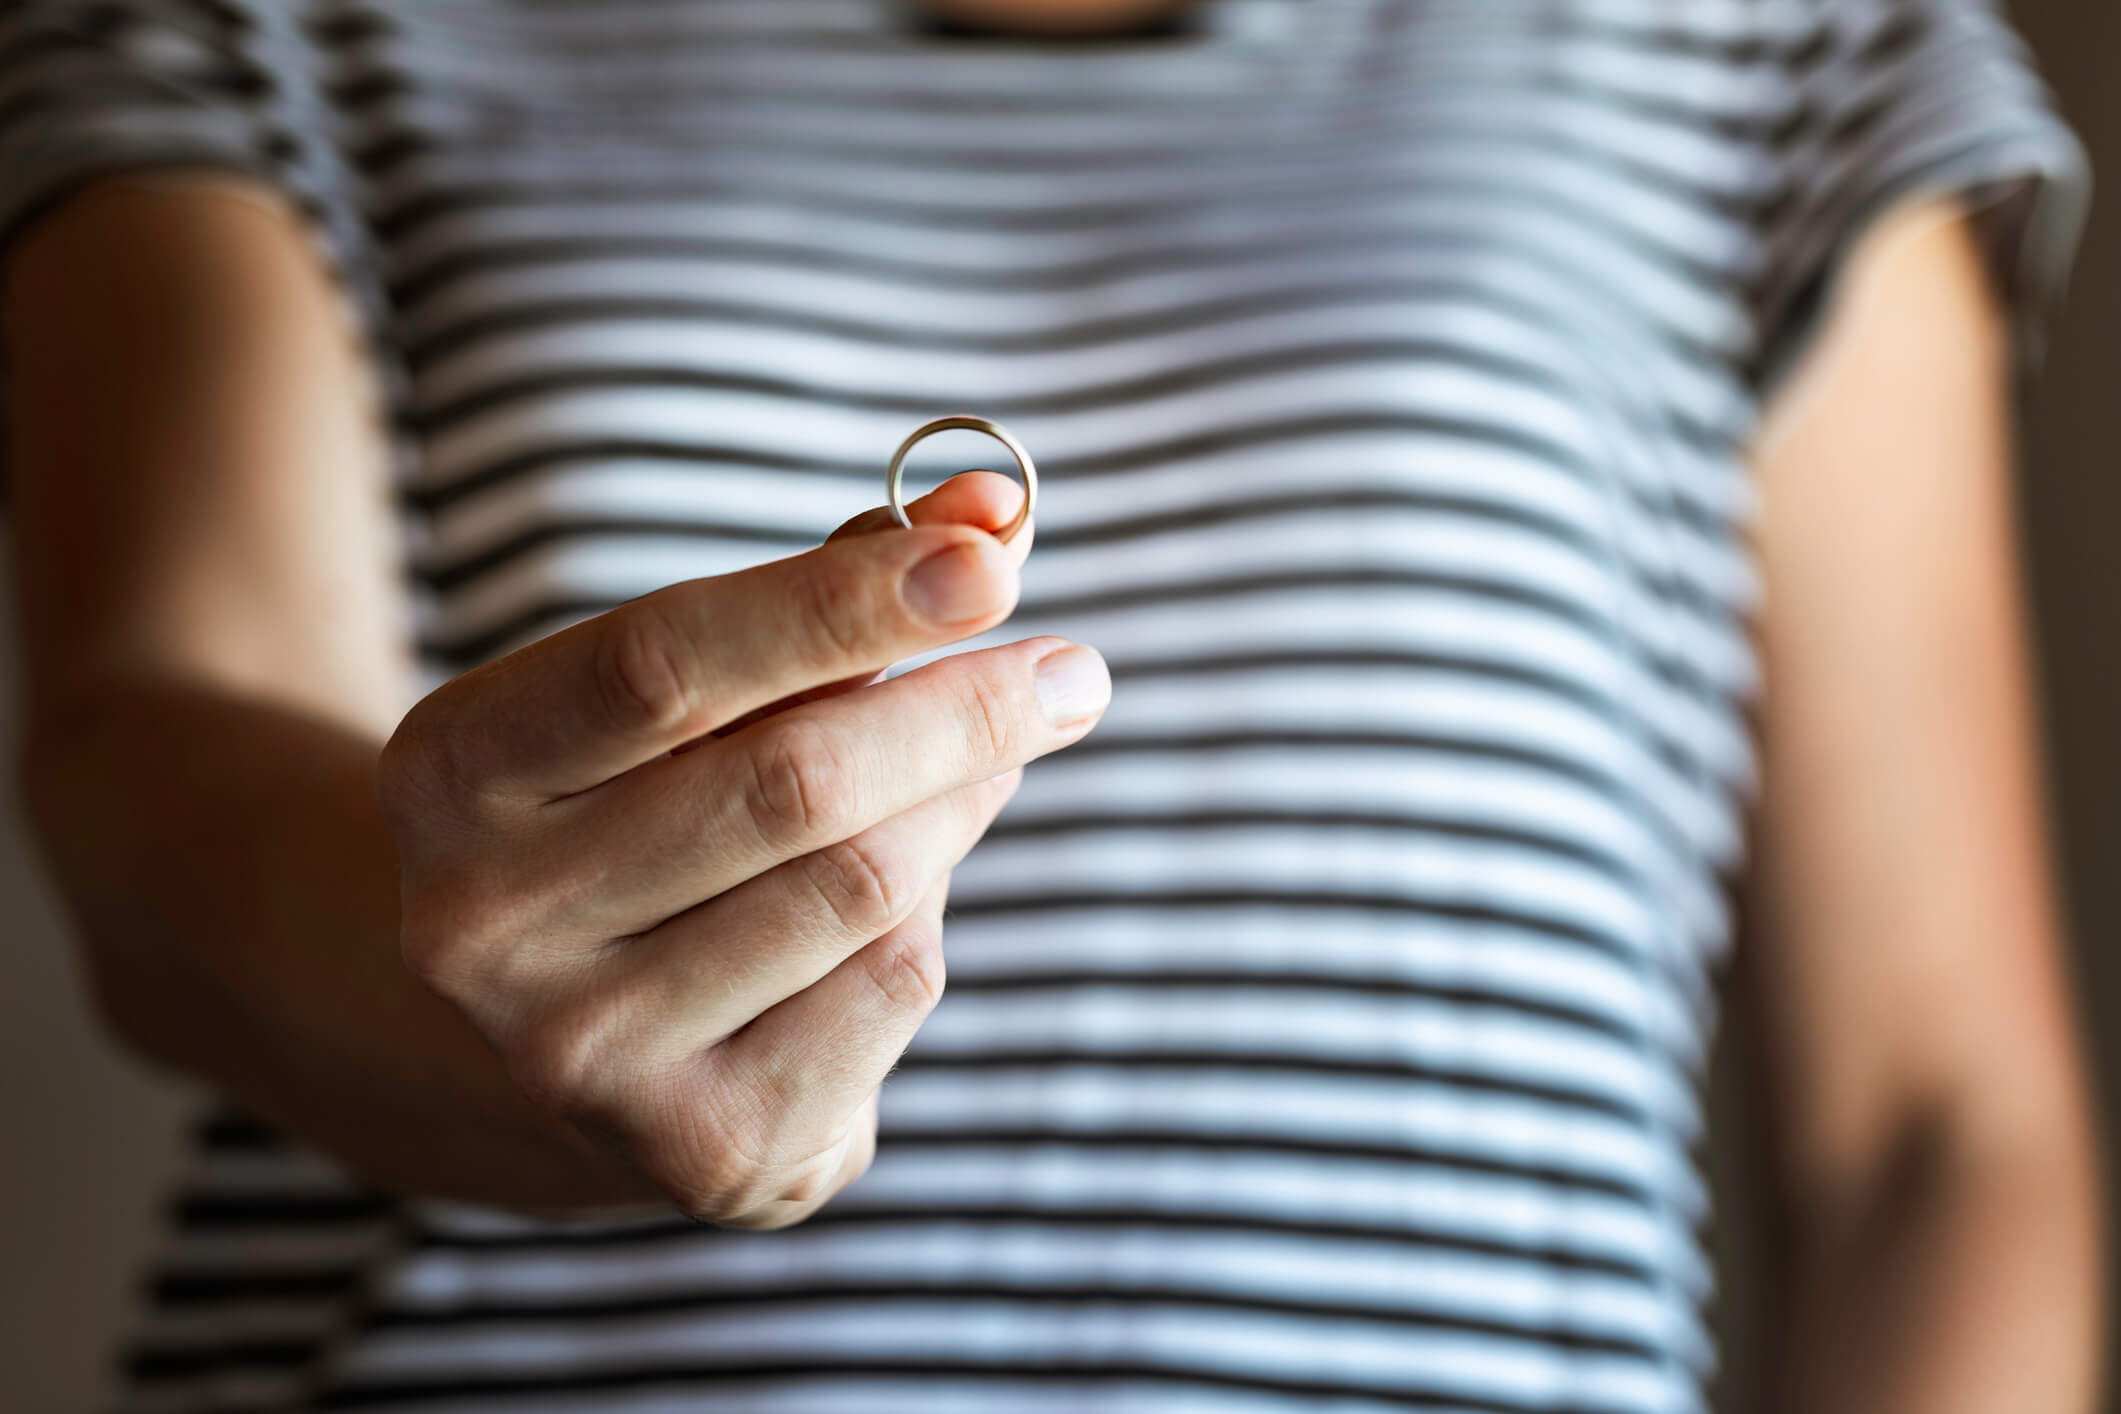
92 89
1900 100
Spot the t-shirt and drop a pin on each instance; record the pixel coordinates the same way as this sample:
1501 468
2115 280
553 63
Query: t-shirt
1324 1031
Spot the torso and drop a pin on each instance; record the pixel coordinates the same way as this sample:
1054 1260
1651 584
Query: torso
1327 1025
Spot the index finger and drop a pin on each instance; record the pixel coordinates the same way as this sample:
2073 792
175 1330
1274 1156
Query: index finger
573 710
987 499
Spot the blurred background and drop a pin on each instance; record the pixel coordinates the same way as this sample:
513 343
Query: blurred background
90 1135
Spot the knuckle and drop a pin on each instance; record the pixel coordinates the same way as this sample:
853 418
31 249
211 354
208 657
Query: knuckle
699 1200
412 771
439 932
716 1195
398 773
717 1163
833 612
724 1187
431 775
641 669
563 1055
429 952
990 717
758 1164
800 784
455 921
863 891
812 1182
760 1199
906 967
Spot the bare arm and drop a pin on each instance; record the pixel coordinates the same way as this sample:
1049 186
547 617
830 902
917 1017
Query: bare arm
678 870
1929 1101
197 488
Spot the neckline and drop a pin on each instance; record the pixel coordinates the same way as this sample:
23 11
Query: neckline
1193 28
1178 25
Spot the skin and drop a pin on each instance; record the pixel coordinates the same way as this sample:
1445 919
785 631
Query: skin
1931 1115
211 778
507 899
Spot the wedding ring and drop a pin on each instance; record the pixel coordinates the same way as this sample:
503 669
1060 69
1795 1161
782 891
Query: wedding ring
1026 472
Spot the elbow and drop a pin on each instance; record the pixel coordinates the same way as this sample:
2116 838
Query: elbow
134 1013
2028 1136
2007 1166
82 827
71 787
2041 1159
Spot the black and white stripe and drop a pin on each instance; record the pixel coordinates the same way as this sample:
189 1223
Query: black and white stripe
1322 1032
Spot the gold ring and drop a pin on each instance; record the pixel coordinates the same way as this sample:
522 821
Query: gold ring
1025 470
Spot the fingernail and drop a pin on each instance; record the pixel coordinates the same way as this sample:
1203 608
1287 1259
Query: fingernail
956 584
1072 684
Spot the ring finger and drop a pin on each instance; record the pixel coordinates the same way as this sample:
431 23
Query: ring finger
709 971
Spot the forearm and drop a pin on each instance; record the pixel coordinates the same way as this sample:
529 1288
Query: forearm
235 892
1960 1277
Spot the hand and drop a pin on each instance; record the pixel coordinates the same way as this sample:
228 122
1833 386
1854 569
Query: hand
683 864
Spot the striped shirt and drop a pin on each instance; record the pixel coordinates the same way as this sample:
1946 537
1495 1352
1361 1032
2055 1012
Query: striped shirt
1324 1031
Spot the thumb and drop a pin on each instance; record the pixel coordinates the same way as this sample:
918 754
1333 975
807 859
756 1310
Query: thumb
987 499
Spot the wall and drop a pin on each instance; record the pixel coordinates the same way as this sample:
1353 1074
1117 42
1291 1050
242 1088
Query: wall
2072 500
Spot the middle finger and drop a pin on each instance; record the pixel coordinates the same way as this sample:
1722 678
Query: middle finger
709 972
677 831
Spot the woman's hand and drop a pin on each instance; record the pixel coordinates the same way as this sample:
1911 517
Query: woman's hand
683 864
